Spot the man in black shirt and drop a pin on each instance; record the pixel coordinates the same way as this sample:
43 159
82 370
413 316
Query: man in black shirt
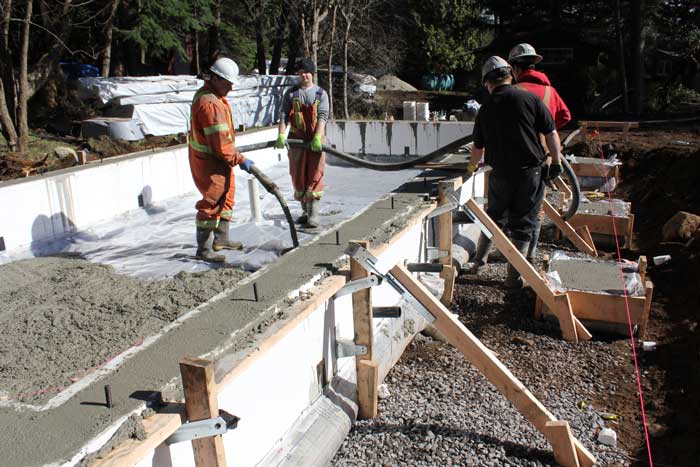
506 130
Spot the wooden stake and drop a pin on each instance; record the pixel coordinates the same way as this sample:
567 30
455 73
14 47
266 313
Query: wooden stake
201 403
445 242
485 361
367 374
563 443
649 292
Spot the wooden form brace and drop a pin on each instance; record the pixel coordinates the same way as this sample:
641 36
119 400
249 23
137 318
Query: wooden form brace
201 404
582 240
449 272
571 327
485 361
367 371
624 126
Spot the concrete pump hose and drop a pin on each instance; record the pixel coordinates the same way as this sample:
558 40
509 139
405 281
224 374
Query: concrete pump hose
272 188
575 190
385 167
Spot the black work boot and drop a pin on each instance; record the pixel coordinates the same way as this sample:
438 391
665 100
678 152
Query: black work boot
313 220
203 251
221 241
532 248
514 281
483 246
305 213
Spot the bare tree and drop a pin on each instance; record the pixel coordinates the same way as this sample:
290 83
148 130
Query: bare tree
350 10
278 42
256 12
621 53
334 9
108 30
18 89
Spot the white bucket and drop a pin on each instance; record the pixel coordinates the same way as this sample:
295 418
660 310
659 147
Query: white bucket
422 112
409 110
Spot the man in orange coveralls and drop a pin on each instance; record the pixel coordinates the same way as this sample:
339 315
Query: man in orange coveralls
305 108
523 59
213 154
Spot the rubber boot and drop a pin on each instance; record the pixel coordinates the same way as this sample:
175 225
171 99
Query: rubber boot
305 213
513 280
532 249
221 241
203 251
313 221
483 246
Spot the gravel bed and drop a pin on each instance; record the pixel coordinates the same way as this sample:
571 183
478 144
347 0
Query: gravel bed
443 412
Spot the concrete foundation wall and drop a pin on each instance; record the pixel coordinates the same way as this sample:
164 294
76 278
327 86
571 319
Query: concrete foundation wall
395 138
53 205
275 395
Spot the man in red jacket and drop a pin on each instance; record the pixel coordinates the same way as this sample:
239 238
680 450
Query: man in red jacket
523 59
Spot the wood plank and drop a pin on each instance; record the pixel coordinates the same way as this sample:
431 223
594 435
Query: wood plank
601 224
607 124
364 335
483 359
449 274
523 266
201 403
445 241
562 441
563 187
368 386
630 231
588 169
642 266
157 428
568 230
567 320
585 234
649 293
604 307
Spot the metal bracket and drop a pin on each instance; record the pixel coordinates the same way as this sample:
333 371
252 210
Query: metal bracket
359 284
369 262
204 428
344 348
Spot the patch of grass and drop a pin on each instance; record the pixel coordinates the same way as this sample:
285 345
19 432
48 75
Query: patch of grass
40 144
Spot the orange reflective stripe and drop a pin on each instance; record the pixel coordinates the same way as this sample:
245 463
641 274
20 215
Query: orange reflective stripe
547 96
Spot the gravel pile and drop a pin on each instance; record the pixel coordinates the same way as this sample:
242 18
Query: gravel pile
443 412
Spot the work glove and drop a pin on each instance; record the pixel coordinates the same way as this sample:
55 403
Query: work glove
316 145
246 165
471 168
553 171
281 142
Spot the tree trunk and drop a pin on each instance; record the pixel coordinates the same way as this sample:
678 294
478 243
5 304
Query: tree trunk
279 39
637 56
346 41
107 48
260 43
318 18
330 64
292 47
214 36
22 117
621 62
7 94
194 66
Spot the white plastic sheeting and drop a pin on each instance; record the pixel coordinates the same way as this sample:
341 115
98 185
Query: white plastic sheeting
159 241
161 104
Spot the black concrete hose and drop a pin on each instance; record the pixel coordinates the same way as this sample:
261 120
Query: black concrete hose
272 188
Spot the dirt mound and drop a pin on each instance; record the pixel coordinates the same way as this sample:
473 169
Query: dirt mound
392 83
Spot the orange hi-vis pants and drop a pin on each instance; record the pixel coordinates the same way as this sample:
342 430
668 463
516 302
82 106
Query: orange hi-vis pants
305 166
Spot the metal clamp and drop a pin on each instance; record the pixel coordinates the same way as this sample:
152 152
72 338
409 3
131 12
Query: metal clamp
359 284
345 348
369 262
204 428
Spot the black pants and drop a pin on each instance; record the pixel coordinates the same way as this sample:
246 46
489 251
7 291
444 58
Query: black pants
520 195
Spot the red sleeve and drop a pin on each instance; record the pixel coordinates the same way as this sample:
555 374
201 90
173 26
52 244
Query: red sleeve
562 116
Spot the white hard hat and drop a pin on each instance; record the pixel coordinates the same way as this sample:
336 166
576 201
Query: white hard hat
493 63
524 53
225 68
